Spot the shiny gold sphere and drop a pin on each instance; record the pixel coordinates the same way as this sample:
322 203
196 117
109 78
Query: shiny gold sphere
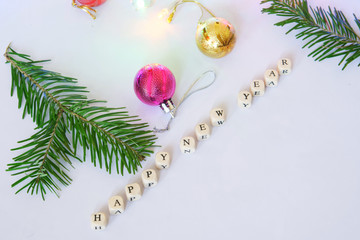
215 37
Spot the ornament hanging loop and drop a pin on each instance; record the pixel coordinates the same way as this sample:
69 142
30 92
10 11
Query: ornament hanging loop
187 94
179 2
85 8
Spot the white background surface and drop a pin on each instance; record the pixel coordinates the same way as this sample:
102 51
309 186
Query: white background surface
288 168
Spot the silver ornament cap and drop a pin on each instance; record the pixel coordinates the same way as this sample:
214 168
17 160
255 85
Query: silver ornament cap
168 107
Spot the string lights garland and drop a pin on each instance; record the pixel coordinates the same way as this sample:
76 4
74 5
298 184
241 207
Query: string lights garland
87 5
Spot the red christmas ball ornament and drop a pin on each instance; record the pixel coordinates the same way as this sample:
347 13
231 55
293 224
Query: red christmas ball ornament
91 3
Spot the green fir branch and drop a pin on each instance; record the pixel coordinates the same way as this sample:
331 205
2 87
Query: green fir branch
66 121
47 152
98 127
328 32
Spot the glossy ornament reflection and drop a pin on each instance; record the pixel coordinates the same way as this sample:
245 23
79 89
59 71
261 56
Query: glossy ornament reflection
215 37
154 85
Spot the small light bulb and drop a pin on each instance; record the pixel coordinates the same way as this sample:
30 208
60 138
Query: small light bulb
140 4
164 13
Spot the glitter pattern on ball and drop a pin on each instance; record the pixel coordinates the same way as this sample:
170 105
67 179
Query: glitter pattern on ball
154 84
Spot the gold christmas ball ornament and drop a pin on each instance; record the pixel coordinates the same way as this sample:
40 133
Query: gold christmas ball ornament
215 37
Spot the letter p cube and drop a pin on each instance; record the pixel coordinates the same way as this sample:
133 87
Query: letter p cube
133 192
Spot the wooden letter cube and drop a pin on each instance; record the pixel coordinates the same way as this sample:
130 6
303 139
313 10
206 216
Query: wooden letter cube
162 160
187 145
217 117
116 205
133 192
202 131
149 178
244 99
257 87
271 77
98 221
284 66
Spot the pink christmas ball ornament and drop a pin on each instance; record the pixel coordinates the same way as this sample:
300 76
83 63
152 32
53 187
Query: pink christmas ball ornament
155 84
91 3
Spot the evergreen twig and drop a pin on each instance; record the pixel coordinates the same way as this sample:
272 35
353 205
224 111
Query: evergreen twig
328 32
66 120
